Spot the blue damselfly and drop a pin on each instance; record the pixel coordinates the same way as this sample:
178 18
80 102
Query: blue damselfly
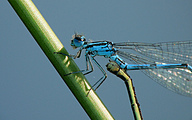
168 63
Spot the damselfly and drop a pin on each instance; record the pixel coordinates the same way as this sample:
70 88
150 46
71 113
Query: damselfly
168 63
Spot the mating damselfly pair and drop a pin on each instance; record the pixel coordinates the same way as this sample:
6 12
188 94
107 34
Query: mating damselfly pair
168 63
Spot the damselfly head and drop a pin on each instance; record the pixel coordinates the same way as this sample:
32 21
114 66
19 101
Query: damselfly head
77 41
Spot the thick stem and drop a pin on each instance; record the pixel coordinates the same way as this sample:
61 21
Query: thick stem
49 43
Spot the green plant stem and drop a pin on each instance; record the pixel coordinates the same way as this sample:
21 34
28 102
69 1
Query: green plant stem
121 73
49 43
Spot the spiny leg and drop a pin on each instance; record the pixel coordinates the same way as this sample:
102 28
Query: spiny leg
72 56
88 61
63 54
102 78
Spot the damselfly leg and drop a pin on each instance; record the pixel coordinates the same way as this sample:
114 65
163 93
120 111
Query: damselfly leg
102 79
88 62
71 56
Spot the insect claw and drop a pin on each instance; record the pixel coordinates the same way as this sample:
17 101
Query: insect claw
67 74
89 92
71 56
74 72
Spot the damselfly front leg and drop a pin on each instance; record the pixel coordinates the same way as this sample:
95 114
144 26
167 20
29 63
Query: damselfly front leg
88 62
71 56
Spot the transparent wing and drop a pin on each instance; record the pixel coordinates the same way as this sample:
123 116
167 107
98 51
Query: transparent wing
168 52
178 80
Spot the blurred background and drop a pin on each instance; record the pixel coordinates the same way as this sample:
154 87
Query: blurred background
30 87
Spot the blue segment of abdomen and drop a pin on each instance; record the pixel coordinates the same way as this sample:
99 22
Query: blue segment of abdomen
126 66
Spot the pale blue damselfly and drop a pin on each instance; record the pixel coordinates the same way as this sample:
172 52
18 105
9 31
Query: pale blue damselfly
168 63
